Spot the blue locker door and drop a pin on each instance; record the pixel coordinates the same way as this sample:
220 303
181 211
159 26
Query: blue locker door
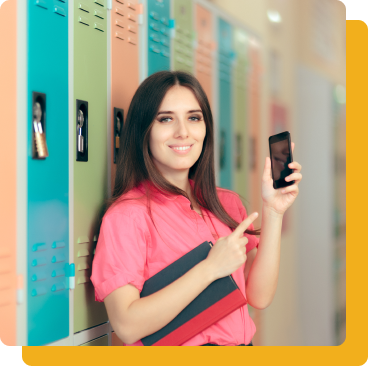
225 129
158 14
48 178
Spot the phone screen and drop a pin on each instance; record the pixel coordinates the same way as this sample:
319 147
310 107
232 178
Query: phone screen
280 159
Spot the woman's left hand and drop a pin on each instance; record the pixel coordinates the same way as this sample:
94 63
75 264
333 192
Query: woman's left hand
280 199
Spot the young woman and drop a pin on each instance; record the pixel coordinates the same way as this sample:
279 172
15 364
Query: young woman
165 203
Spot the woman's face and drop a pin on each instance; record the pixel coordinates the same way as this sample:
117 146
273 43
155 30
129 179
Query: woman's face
177 132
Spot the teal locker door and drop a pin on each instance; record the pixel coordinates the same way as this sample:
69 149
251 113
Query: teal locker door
158 14
225 129
48 174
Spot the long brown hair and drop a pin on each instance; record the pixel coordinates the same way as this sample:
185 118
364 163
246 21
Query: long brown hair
134 162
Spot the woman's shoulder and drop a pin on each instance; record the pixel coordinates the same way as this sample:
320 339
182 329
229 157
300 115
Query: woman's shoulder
227 197
134 202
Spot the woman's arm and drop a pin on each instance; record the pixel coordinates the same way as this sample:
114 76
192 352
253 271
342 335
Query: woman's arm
264 270
263 274
133 318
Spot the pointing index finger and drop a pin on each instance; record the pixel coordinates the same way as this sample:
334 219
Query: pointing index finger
239 231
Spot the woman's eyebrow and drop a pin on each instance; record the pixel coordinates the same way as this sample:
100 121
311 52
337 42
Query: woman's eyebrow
170 112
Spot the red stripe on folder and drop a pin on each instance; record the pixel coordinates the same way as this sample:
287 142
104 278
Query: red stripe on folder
203 320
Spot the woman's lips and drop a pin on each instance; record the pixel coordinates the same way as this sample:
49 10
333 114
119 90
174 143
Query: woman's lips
182 150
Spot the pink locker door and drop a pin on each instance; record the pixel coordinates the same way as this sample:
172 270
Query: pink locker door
204 61
8 155
124 66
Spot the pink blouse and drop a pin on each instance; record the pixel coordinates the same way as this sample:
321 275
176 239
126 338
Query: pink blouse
131 249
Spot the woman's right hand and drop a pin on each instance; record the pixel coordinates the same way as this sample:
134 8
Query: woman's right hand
229 252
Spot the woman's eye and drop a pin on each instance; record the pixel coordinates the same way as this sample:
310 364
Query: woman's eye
165 119
195 118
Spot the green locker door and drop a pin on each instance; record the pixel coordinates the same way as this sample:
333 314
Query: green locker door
102 341
90 165
240 113
183 41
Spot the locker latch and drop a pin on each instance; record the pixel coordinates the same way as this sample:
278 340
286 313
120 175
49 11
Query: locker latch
39 136
80 136
117 133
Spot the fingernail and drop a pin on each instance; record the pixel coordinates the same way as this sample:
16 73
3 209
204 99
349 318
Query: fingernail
284 190
255 214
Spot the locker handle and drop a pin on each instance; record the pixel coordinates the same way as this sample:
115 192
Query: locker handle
99 14
154 49
38 247
83 7
99 27
59 10
83 20
119 11
119 35
58 287
119 23
83 253
100 2
41 3
57 244
83 266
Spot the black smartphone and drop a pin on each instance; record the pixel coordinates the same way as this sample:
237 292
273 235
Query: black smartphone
281 156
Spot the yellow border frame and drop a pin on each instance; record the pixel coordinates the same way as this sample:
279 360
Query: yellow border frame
354 351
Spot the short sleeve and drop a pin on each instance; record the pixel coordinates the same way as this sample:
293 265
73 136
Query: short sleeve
252 239
120 254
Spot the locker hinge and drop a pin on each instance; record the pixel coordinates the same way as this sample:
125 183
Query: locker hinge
20 289
71 276
140 13
109 4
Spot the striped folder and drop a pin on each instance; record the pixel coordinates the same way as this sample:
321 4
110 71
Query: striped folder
219 299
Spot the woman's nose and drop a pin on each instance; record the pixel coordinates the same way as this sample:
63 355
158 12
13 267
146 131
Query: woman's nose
181 128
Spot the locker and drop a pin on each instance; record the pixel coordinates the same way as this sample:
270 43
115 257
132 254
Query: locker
102 341
124 70
183 41
225 130
158 33
204 59
48 172
255 164
90 165
240 113
8 153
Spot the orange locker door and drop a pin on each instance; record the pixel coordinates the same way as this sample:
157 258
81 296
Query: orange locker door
124 68
8 153
204 61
